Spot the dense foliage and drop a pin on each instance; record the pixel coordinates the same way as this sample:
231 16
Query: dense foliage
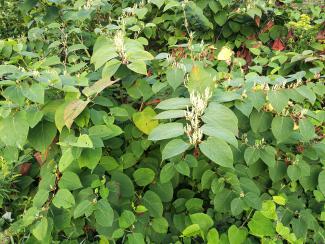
162 121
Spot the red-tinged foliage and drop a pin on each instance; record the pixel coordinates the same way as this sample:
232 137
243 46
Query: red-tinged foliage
278 45
245 54
24 168
267 27
257 20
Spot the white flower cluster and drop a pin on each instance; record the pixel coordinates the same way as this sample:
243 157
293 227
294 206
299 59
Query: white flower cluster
199 103
119 45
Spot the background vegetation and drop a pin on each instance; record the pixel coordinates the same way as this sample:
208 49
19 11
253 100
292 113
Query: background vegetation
162 121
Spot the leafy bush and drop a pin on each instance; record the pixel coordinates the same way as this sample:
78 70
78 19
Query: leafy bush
163 122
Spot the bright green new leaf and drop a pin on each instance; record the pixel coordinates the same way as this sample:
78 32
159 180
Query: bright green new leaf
261 226
236 235
145 120
191 230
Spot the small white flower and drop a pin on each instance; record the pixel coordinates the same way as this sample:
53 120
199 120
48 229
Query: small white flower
7 216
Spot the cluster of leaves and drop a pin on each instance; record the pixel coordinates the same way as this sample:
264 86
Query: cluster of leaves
163 122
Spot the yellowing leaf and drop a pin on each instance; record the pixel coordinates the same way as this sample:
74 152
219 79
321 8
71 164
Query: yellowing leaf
145 121
72 110
225 54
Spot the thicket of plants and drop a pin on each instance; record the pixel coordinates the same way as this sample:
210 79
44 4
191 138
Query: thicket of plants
162 121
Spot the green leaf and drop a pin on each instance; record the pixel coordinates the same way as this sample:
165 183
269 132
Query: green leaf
261 226
35 92
251 155
153 203
218 151
219 116
237 206
203 220
253 200
105 131
135 238
143 176
166 131
14 130
183 168
63 198
279 99
307 93
175 77
83 141
59 116
145 121
221 133
110 68
167 173
174 148
213 236
282 128
138 67
252 12
70 181
40 229
307 130
90 157
33 116
260 121
174 103
269 209
104 50
66 159
171 114
104 213
236 235
126 219
321 182
85 207
221 18
158 3
160 225
267 154
42 135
